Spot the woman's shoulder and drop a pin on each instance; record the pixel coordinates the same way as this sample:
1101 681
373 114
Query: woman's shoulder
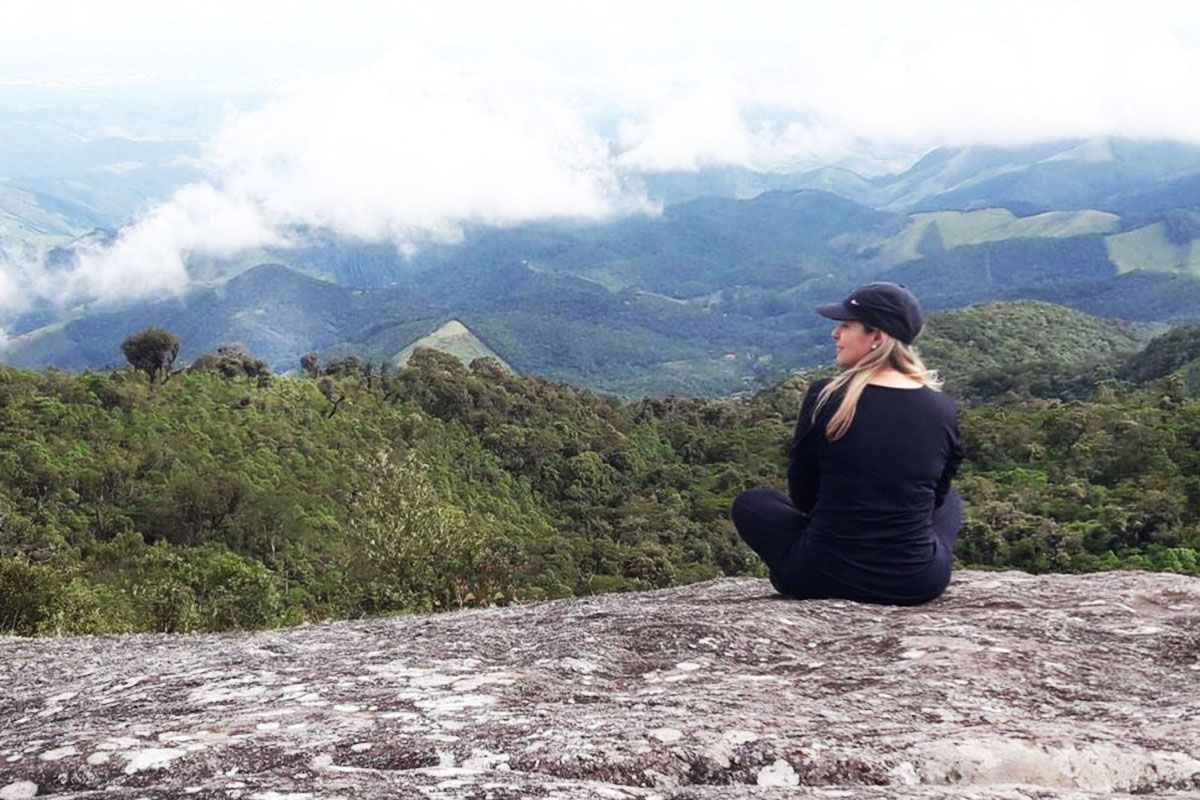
815 387
814 392
916 396
942 402
809 404
946 403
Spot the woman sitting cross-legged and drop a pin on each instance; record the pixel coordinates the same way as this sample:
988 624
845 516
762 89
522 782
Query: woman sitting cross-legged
869 514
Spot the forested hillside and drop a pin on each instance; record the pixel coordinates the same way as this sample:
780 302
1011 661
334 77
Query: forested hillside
228 498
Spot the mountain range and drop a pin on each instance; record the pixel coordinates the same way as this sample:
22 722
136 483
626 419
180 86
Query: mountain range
713 295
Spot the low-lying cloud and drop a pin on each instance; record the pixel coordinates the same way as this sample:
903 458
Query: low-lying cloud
410 149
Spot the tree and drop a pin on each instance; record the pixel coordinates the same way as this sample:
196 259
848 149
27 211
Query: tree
232 360
152 351
329 390
412 548
310 364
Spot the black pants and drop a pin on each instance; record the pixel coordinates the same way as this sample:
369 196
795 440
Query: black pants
774 528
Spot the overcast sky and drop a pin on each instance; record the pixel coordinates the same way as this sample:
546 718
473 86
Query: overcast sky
399 121
925 72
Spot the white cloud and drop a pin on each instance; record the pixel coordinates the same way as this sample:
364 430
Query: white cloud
24 277
1001 73
10 294
149 256
118 167
409 149
700 126
147 259
924 72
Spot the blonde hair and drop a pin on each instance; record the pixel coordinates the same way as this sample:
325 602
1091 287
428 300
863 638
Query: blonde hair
904 358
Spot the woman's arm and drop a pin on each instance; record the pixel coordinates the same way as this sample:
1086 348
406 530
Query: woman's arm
953 460
803 475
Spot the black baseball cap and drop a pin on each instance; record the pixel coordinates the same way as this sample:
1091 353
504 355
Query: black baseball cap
887 306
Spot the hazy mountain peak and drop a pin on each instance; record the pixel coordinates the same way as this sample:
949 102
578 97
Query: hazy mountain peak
24 219
1092 151
269 273
456 339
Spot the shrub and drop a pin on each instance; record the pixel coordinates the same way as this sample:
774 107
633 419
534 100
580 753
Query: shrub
81 607
27 595
232 592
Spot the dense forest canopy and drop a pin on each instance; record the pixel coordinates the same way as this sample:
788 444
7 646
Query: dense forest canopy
223 497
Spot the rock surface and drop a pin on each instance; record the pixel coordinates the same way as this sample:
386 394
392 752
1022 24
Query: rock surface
1009 686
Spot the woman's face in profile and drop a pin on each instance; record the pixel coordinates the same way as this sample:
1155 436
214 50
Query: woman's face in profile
853 342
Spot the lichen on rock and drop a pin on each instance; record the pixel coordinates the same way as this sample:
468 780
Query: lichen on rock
1009 686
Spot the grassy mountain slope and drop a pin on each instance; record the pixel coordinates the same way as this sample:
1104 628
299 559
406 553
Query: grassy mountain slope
1157 247
1112 174
933 232
948 169
1071 175
455 339
624 361
24 219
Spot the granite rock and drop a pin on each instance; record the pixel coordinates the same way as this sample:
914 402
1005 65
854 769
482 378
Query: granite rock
1010 686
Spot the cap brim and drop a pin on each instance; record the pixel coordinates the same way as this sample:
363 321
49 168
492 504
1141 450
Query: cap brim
836 311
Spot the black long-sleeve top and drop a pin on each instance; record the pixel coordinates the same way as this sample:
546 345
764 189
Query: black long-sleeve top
872 492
